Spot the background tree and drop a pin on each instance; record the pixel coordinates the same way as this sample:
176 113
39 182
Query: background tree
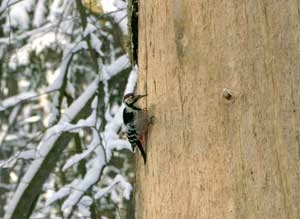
63 73
212 154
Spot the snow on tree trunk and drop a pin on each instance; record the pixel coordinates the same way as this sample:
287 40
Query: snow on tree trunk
222 79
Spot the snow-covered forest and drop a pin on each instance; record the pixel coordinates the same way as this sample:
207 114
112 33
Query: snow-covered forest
64 69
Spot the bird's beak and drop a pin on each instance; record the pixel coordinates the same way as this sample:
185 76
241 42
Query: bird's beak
138 97
141 96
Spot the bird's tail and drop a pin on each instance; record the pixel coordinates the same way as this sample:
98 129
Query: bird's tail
140 146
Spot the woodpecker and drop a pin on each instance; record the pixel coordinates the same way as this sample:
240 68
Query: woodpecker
136 122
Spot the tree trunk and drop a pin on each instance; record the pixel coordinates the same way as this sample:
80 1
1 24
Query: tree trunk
215 153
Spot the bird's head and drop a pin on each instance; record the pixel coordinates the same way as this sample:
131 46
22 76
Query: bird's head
130 99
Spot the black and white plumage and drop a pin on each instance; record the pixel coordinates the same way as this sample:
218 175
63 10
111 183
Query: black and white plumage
136 122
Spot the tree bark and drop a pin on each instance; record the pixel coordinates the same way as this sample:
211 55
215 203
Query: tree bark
215 153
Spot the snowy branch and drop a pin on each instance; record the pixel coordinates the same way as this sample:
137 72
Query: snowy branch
66 49
40 168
